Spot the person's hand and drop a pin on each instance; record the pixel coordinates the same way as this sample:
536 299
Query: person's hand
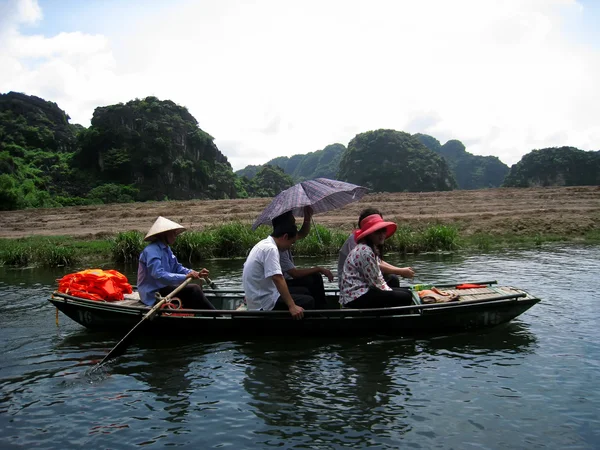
308 212
192 274
297 312
204 273
327 273
407 272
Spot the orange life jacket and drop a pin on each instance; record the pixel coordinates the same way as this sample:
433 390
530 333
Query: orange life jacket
95 284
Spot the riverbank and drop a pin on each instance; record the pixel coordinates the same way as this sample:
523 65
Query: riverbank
460 220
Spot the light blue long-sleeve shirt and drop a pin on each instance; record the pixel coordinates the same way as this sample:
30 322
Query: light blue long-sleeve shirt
158 268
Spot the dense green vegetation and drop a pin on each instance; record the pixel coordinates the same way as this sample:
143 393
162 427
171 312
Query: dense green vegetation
563 166
267 182
394 161
142 150
235 239
36 148
321 163
470 171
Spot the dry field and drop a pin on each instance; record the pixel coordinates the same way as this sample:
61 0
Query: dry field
565 211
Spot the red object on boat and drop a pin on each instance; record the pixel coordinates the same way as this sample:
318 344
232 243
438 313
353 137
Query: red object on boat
469 286
95 284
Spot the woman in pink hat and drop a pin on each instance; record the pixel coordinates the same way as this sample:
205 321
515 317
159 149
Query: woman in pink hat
362 284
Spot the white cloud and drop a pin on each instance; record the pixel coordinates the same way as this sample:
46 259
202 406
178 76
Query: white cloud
273 78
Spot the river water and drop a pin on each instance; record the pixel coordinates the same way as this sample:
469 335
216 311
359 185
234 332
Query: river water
534 383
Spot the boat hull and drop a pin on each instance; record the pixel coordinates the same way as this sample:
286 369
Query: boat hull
421 319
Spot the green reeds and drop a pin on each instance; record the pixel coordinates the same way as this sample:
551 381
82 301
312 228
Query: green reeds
432 238
405 240
15 254
320 241
484 241
127 246
195 245
235 239
50 252
230 240
56 256
593 236
440 237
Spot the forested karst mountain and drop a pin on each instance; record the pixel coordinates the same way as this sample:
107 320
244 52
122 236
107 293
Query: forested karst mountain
142 150
321 163
562 166
470 171
394 161
32 122
157 147
36 146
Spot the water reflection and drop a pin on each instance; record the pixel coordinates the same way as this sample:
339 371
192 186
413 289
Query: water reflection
345 391
327 390
511 338
163 368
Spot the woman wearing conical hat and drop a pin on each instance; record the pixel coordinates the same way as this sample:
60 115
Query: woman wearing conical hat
159 271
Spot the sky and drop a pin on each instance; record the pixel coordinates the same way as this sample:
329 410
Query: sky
270 78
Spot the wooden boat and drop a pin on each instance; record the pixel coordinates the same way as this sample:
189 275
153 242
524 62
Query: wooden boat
477 308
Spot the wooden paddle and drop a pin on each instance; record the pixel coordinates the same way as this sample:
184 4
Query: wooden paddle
120 348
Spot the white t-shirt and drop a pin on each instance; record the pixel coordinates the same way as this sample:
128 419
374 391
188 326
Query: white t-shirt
262 263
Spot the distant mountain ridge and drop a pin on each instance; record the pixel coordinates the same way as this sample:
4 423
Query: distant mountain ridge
318 164
470 171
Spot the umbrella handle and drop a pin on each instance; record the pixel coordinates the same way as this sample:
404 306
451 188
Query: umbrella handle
316 231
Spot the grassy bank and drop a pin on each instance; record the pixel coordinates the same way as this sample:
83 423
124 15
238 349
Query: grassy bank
235 239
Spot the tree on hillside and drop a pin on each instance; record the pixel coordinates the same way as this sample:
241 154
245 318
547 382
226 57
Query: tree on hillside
248 171
562 166
394 161
270 181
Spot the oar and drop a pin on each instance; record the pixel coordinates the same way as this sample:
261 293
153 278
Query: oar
124 343
210 283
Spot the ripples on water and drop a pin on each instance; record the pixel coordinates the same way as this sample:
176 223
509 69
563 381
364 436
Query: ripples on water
531 384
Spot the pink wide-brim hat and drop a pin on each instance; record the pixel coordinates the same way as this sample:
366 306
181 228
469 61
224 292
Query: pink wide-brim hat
372 223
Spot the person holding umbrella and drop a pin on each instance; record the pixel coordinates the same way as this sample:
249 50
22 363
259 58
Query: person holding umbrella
362 284
302 280
159 271
262 278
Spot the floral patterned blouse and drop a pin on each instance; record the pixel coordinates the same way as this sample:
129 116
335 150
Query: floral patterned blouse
361 271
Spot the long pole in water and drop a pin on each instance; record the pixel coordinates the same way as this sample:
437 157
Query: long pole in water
120 348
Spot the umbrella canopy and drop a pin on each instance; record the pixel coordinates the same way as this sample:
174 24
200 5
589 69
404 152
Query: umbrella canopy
322 194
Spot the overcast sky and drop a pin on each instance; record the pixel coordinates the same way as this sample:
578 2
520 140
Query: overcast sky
272 78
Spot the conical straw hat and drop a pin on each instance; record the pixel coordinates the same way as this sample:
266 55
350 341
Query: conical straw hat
161 225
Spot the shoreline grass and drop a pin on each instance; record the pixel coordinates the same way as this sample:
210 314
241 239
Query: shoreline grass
235 239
